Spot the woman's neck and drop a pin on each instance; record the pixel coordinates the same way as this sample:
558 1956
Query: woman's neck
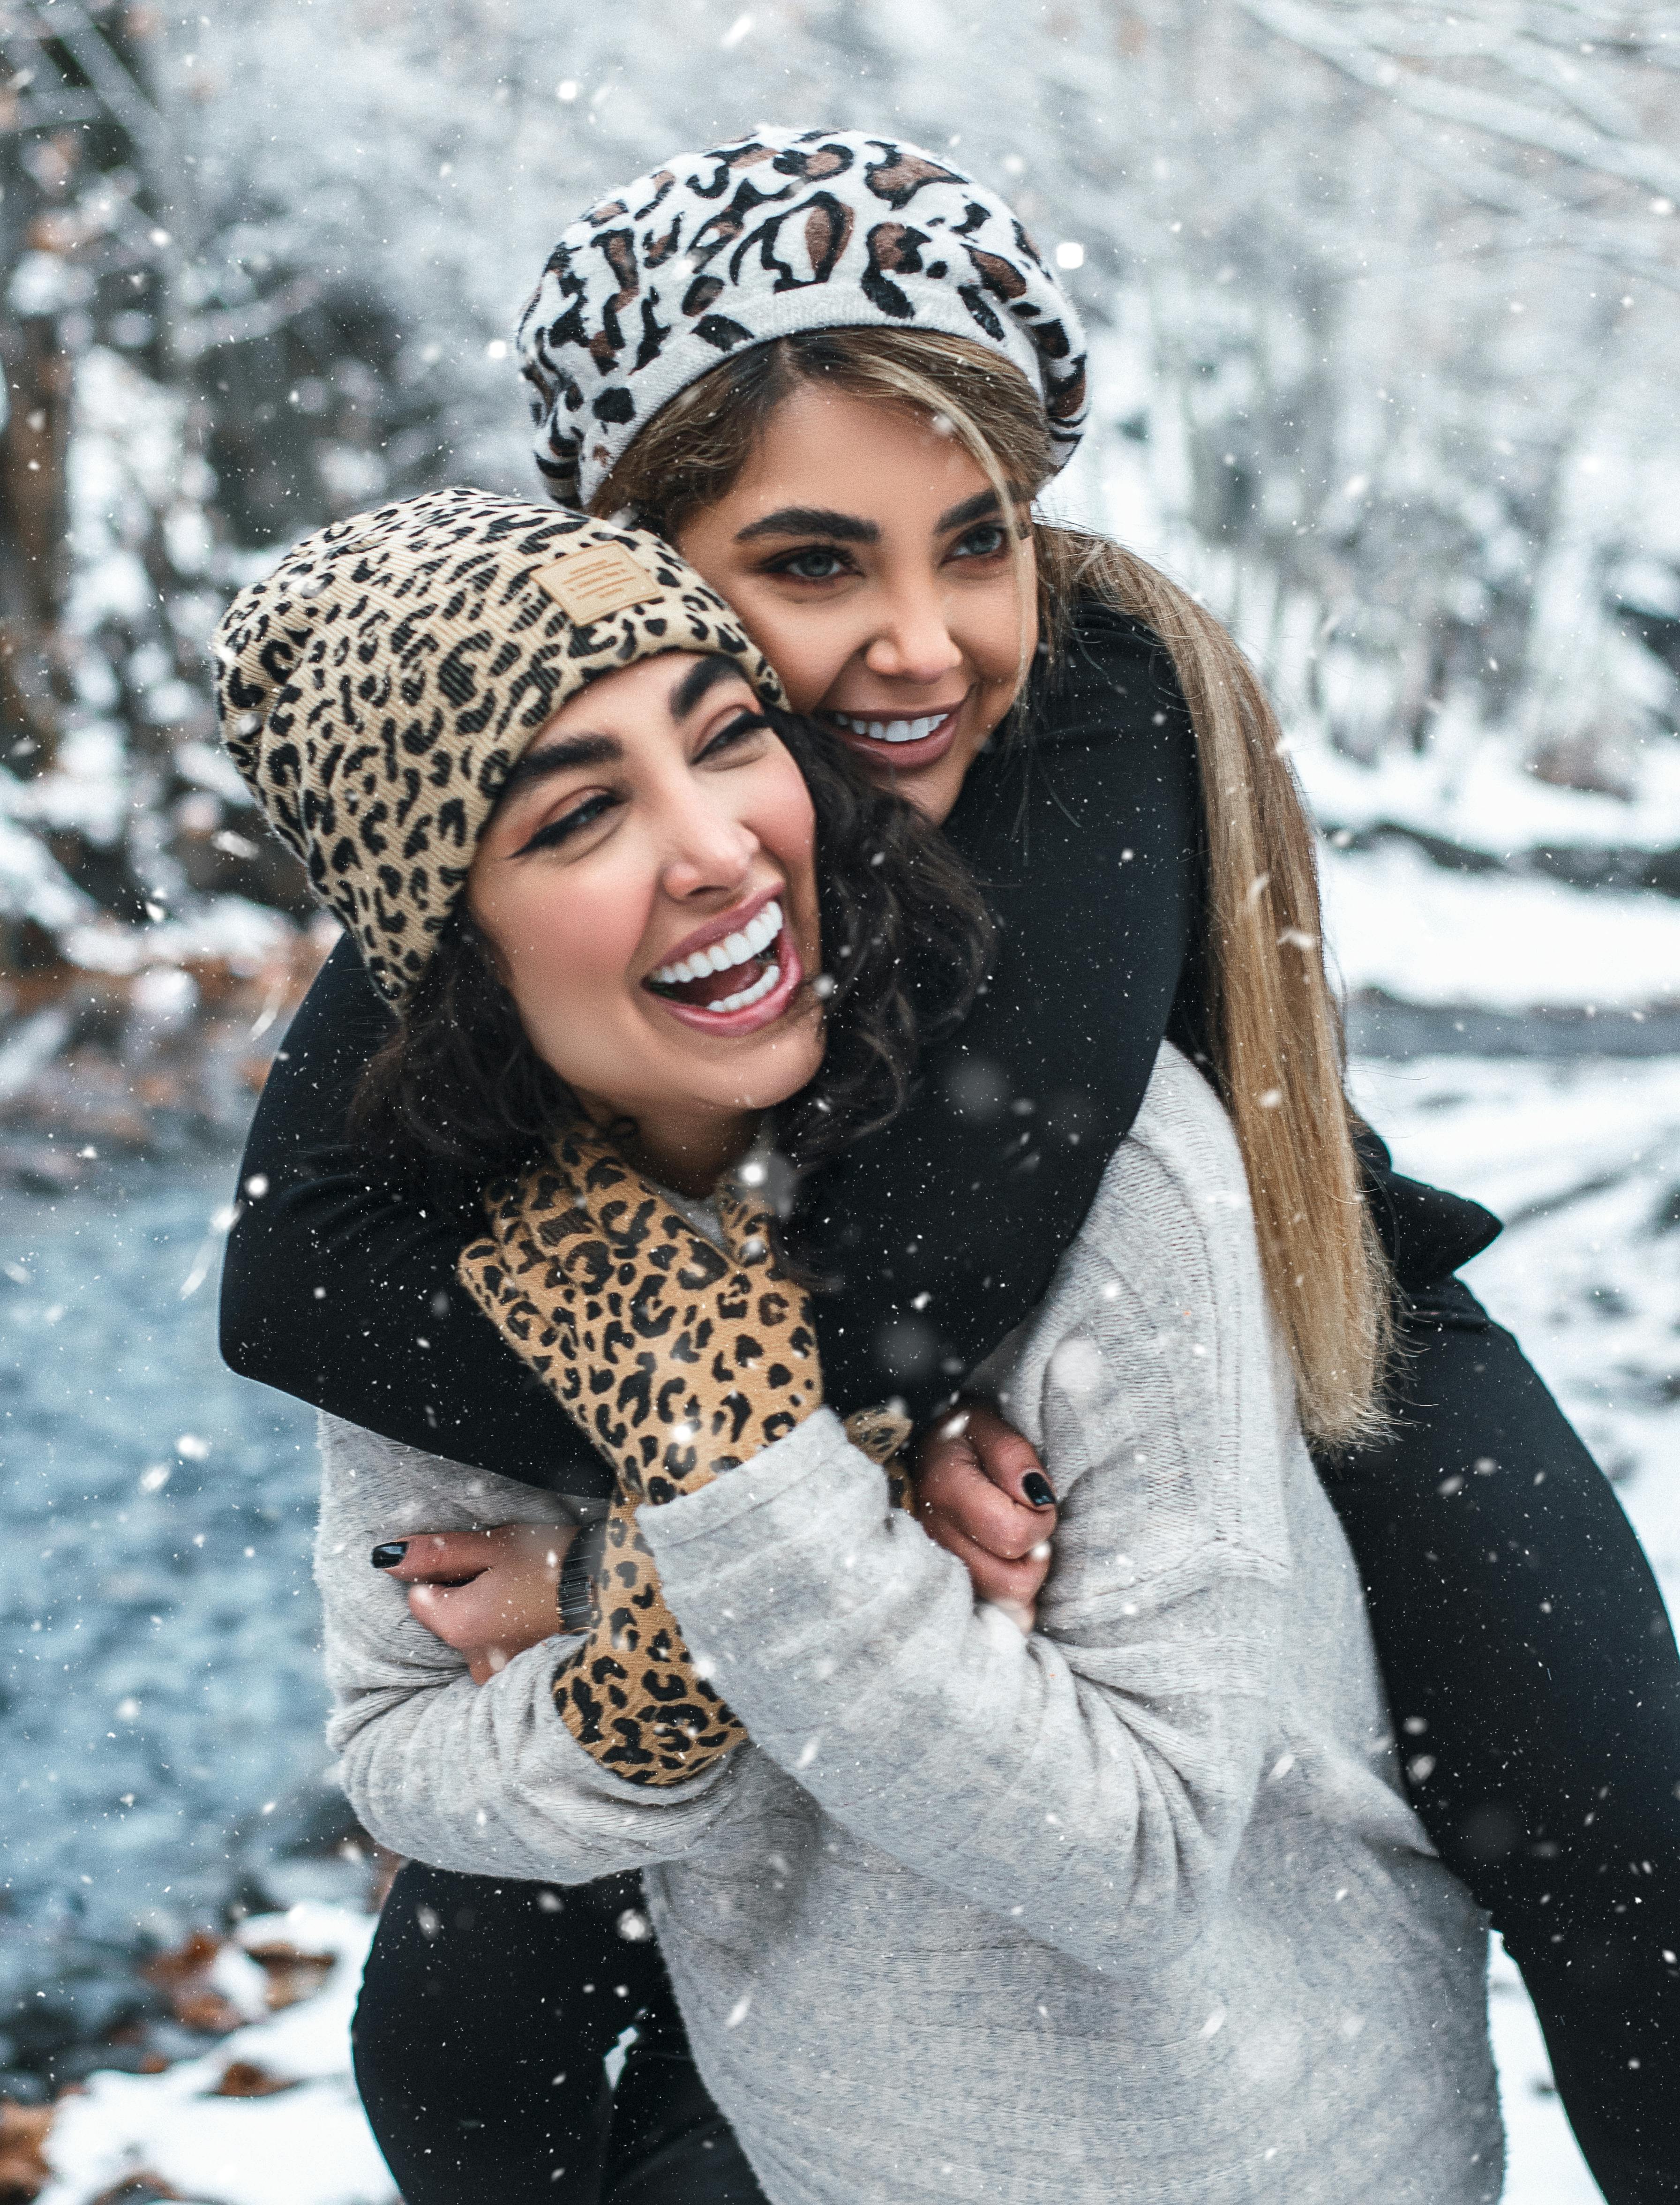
686 1151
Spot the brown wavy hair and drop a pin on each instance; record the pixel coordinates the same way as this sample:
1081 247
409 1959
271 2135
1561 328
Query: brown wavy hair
1276 1037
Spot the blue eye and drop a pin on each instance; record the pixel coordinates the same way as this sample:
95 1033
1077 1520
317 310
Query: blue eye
816 562
983 542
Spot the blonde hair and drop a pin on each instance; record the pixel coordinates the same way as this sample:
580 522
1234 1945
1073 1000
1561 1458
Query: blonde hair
1275 1037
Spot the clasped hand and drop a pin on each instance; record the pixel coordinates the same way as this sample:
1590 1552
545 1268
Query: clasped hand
679 1359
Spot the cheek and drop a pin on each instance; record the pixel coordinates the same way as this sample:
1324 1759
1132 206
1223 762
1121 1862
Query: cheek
565 947
780 815
809 649
990 631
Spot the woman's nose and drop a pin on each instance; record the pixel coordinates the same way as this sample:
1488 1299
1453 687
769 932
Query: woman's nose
709 849
915 642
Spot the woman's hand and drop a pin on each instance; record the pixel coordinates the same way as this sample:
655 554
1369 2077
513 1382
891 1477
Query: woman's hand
487 1594
982 1494
680 1359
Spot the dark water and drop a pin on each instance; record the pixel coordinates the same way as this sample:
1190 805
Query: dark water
1380 1026
160 1698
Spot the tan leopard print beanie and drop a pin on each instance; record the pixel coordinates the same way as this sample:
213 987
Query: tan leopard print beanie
376 687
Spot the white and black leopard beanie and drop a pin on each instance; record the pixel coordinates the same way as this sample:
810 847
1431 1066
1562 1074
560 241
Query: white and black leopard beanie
774 233
376 687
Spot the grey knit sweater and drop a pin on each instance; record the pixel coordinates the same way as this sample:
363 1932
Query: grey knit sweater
1130 1911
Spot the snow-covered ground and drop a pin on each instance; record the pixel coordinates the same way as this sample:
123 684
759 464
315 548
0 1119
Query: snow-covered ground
296 2135
1427 935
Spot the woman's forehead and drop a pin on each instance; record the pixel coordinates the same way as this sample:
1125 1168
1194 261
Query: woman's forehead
853 469
607 721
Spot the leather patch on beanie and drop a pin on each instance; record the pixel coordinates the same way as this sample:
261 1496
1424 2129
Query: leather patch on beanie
588 586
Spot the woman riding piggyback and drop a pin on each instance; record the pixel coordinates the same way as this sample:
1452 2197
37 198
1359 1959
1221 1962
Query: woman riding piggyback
833 372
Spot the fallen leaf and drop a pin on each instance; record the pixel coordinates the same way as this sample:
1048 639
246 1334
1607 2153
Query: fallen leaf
244 2078
24 2173
293 1974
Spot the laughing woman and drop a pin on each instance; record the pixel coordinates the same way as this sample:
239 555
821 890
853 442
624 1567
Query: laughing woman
1128 1908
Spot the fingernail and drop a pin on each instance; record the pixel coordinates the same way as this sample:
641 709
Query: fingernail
388 1556
1038 1489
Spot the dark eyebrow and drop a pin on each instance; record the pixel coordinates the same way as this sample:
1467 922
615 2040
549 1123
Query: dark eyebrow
811 520
698 680
575 751
561 757
982 506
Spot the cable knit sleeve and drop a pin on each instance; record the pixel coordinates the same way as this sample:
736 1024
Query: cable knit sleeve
1090 1785
483 1779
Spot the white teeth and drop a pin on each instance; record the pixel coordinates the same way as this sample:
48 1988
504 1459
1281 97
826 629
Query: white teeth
718 956
893 731
765 927
755 993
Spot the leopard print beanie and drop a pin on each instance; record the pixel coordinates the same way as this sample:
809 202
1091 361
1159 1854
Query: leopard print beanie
774 233
376 687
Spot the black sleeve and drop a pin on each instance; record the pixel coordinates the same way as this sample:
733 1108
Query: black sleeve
339 1281
945 1228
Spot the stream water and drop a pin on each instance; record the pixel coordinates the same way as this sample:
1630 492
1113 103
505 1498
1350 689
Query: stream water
160 1699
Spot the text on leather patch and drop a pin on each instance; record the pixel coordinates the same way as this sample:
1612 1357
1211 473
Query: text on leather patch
589 585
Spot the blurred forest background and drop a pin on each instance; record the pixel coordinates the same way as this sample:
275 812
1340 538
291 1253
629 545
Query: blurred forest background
1384 301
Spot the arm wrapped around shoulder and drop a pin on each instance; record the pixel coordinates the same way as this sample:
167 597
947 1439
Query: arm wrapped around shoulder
680 1360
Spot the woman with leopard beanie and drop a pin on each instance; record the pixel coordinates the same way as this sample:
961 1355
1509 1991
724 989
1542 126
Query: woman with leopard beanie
723 350
424 700
537 769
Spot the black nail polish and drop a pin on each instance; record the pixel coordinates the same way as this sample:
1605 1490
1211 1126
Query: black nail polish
1038 1489
388 1556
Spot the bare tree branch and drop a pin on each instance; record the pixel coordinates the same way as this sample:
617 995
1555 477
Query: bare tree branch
1556 223
1635 161
128 104
242 325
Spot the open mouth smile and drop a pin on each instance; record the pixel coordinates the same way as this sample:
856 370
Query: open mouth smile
733 982
901 744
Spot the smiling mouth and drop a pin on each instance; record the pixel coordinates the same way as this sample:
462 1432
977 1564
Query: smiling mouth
896 731
730 975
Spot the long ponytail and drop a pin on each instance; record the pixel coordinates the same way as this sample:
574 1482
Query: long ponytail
1276 1039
